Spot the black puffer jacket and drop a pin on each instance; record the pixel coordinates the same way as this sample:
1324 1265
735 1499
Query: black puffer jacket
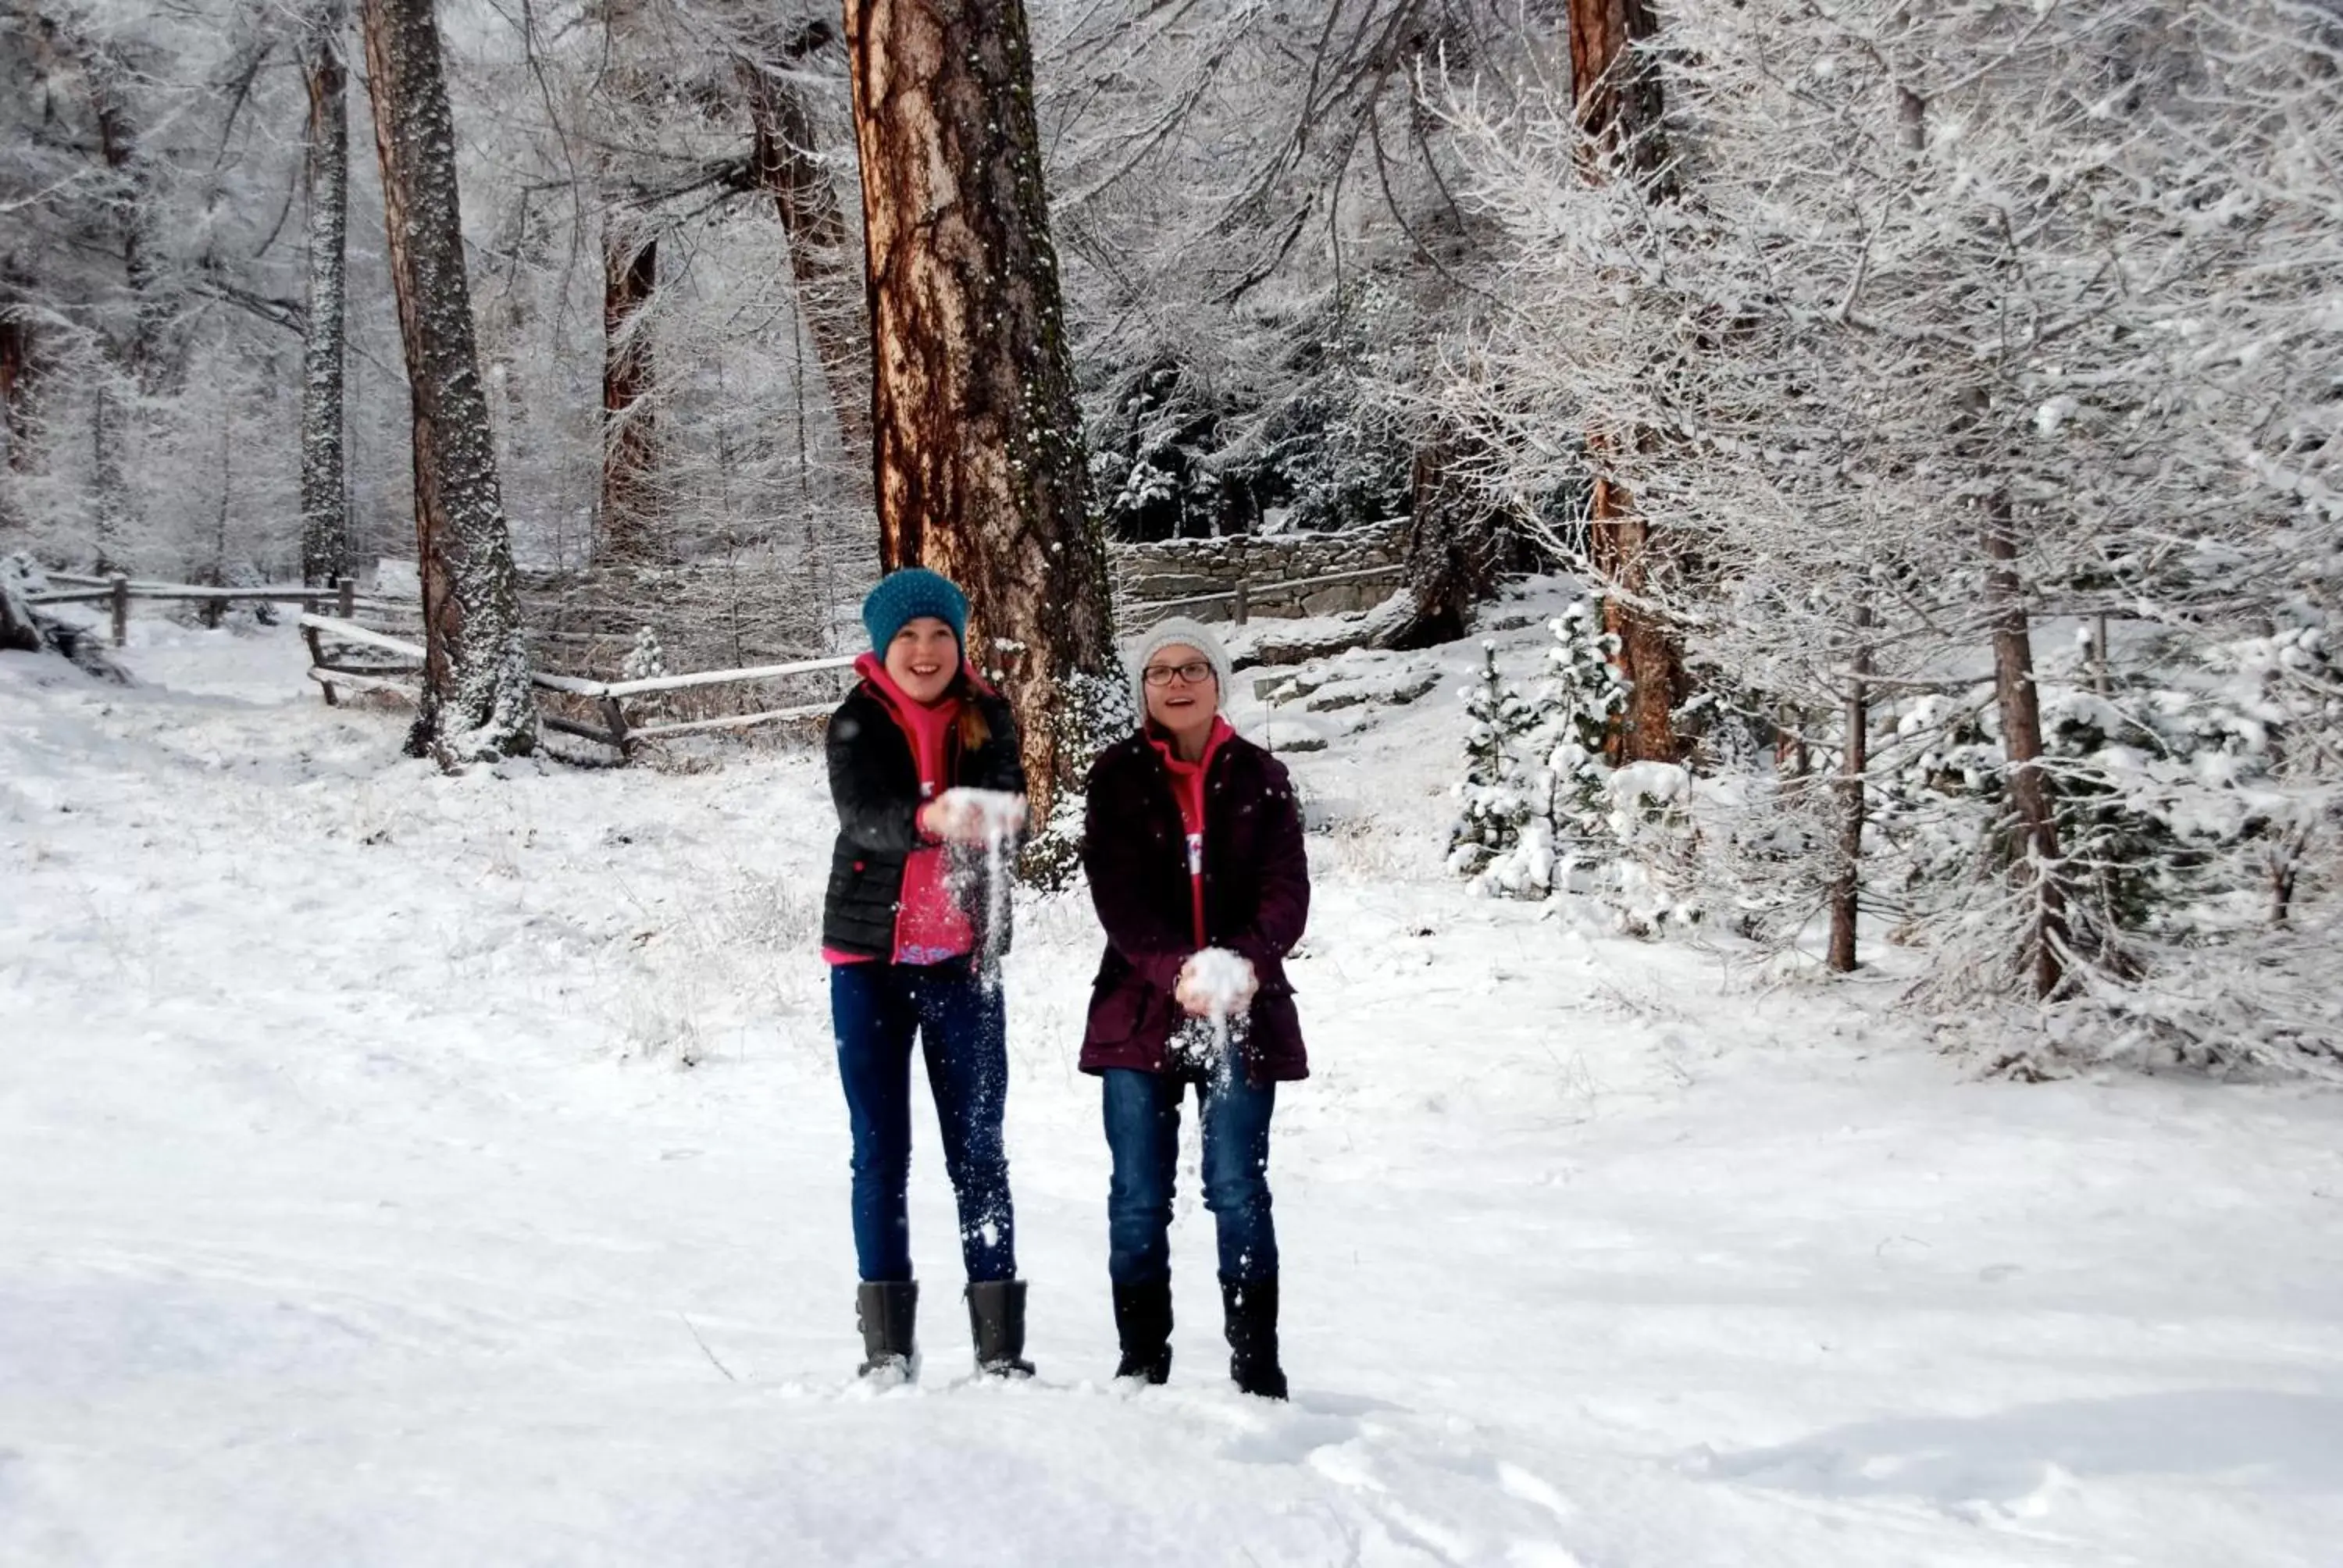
875 781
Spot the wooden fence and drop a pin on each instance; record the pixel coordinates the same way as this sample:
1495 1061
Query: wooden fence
117 591
607 700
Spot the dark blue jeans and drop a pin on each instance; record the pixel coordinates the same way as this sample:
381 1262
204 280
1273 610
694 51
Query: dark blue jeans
876 1009
1142 1132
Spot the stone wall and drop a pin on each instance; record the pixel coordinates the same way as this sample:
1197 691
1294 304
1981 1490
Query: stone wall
1145 574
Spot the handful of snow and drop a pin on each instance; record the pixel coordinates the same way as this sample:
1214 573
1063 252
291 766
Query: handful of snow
1218 981
988 817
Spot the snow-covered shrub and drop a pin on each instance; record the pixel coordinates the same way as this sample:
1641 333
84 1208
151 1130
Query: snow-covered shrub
646 660
1656 870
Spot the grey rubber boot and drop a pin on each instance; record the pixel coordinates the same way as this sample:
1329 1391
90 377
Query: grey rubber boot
996 1319
886 1313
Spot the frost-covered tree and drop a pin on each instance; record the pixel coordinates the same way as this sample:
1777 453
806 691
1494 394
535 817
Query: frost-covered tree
476 699
1938 329
326 189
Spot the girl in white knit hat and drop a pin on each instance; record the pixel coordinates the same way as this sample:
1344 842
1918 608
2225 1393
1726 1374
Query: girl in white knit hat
1193 848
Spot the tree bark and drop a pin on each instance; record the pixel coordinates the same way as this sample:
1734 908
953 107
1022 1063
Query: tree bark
630 510
325 171
1617 87
1846 880
1620 110
475 697
16 350
783 163
2035 864
977 440
1452 548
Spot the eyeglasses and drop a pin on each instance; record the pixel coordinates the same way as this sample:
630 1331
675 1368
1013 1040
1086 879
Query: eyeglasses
1193 673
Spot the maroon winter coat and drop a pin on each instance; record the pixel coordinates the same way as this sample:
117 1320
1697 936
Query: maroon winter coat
1256 901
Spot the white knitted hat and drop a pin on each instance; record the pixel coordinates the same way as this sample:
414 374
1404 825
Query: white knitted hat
1165 634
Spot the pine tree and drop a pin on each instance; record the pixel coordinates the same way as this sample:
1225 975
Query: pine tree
1586 701
1502 837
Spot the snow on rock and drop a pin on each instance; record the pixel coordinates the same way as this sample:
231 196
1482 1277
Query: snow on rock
360 1210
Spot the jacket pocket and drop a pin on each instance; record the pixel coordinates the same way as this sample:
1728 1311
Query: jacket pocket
1117 1008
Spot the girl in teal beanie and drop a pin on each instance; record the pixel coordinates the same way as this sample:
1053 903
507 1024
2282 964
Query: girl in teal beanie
905 931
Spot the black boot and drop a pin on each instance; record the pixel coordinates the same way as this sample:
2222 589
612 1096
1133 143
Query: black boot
1251 1310
996 1318
1142 1322
885 1312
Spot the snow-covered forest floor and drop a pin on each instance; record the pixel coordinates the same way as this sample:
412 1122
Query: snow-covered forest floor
356 1207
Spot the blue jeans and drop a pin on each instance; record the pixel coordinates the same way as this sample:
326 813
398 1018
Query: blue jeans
1142 1132
875 1009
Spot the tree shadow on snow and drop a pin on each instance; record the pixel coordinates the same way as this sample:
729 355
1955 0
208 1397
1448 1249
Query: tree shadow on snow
2287 1442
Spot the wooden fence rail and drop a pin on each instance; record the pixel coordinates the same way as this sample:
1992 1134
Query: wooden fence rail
617 730
119 589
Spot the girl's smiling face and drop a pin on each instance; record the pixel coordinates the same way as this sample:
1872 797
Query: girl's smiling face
1182 706
923 659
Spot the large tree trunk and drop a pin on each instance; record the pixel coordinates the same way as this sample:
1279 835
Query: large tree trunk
631 527
1619 109
325 507
1452 548
1616 87
782 162
977 439
2035 865
475 690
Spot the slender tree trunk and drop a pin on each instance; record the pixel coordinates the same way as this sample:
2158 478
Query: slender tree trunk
325 490
109 485
631 527
1620 110
16 349
1846 881
2037 865
783 163
977 438
475 693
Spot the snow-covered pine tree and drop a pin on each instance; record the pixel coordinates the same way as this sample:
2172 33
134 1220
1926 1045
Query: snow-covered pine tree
1502 837
1584 701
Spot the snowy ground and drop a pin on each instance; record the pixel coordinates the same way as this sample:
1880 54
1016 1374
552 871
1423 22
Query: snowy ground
355 1208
